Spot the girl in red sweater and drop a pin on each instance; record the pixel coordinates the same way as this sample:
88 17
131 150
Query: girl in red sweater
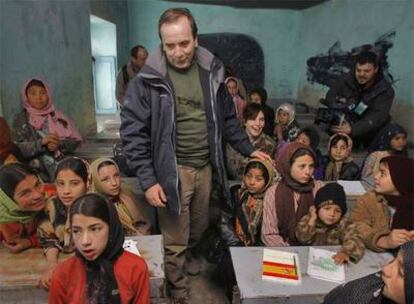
101 271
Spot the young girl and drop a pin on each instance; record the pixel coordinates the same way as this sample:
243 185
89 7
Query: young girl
21 201
43 134
326 224
245 221
394 284
9 153
288 200
391 140
107 181
101 271
254 123
241 225
259 96
338 164
72 181
239 103
285 125
385 216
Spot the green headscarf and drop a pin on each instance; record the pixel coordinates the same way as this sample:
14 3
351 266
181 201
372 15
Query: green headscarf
10 211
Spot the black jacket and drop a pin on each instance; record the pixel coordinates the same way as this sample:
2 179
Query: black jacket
349 171
378 98
148 124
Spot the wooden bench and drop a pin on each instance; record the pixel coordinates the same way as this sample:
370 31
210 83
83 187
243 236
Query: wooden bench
19 273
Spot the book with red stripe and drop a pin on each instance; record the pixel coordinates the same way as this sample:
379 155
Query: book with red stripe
281 266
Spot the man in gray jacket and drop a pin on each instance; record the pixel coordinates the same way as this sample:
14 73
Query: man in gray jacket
176 118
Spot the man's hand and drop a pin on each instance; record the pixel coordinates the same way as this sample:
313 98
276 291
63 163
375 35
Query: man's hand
156 196
340 258
16 245
344 128
262 156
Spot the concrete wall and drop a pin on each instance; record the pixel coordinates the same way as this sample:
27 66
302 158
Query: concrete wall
355 23
50 39
275 30
115 11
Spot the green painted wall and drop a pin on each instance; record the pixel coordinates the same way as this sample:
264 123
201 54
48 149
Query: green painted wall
50 39
354 23
275 30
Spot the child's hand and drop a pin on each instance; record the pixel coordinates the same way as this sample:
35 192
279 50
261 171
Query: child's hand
313 215
279 132
51 141
46 279
340 258
16 245
397 237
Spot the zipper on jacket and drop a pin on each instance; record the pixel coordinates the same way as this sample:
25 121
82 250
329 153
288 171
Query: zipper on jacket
169 90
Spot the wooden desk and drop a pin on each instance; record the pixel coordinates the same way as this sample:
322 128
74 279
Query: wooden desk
247 263
19 273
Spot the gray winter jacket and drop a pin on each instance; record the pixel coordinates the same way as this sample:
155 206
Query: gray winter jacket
148 125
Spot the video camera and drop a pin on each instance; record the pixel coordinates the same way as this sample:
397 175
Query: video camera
335 114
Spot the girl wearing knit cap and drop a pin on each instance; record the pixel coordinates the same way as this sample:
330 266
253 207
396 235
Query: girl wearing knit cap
101 271
391 140
288 200
326 224
21 201
43 134
72 180
339 164
394 284
385 216
106 179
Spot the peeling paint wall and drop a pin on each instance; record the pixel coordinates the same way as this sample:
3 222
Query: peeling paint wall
50 39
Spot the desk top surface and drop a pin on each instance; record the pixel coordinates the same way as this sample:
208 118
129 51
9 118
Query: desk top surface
23 270
247 263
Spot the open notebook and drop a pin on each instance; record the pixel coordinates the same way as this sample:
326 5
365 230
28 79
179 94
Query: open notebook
352 187
322 266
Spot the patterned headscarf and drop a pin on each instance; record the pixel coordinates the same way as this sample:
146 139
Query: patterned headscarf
122 202
382 141
57 122
288 108
11 212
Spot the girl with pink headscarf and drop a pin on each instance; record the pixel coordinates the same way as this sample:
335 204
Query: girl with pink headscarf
43 134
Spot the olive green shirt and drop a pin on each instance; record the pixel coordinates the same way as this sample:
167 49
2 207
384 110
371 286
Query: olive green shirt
191 130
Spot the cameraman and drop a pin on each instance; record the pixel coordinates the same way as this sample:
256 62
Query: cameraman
367 96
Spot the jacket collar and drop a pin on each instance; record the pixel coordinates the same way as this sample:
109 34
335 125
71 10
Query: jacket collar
156 64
